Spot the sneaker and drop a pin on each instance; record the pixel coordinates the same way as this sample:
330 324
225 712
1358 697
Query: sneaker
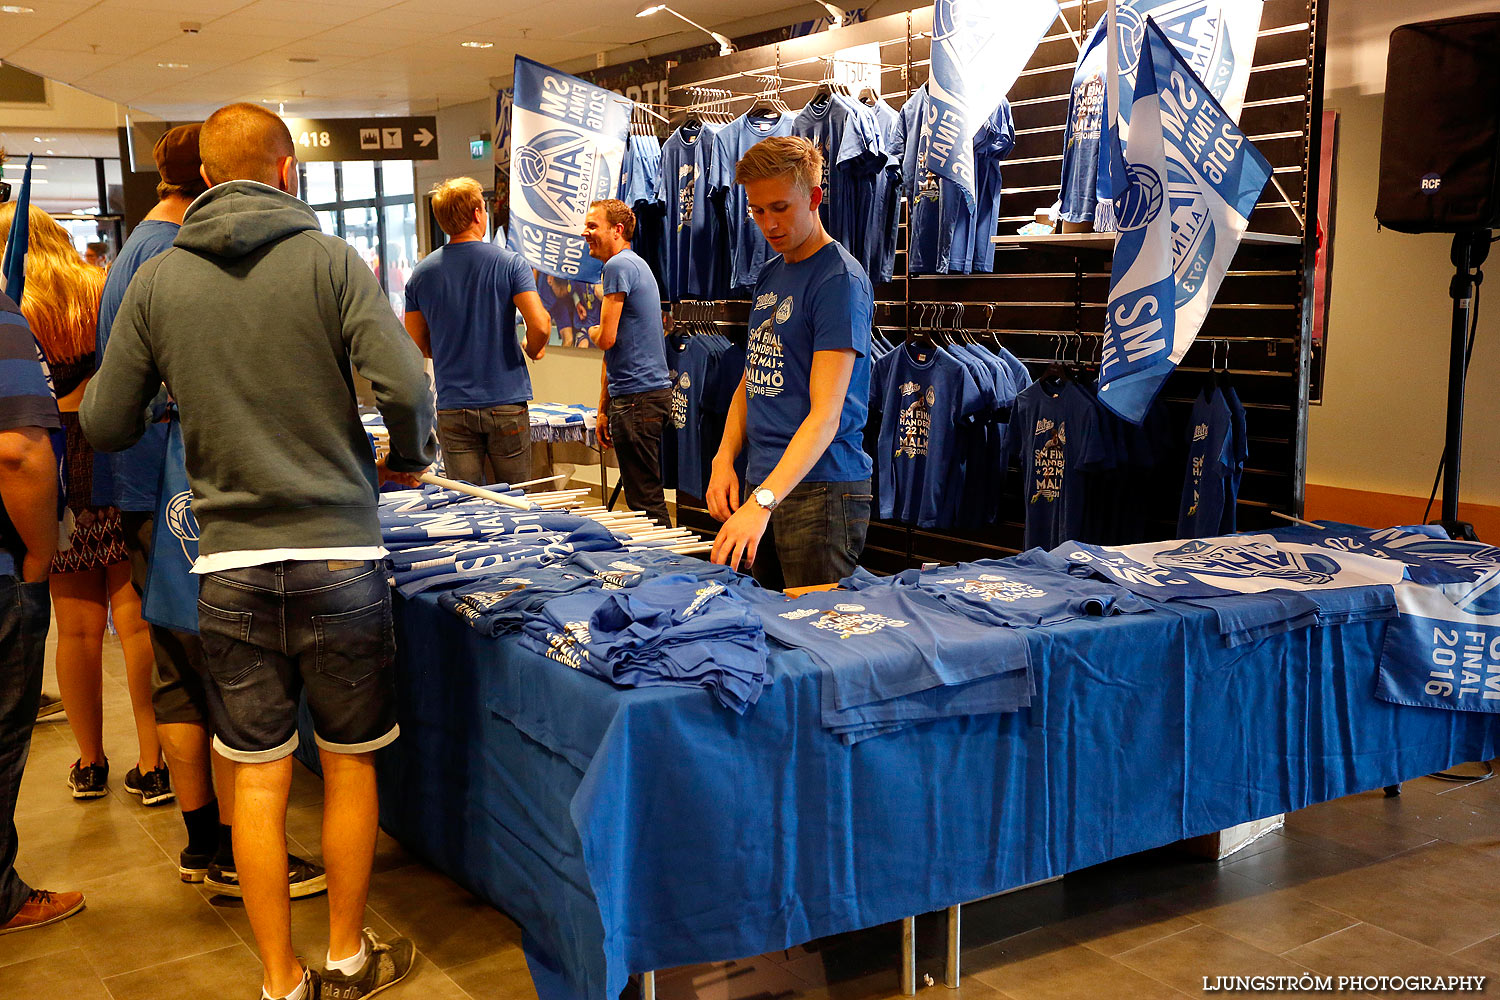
88 781
194 867
154 787
303 878
386 965
42 908
49 706
311 978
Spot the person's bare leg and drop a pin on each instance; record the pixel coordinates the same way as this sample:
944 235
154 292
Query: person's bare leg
351 819
78 604
185 747
260 860
224 785
135 640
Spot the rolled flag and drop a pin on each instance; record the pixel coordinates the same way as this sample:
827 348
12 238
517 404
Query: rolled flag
1192 178
979 48
13 264
567 142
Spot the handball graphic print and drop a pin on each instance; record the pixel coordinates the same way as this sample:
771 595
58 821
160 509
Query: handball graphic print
182 523
1141 203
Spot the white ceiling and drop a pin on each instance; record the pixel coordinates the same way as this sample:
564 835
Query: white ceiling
373 56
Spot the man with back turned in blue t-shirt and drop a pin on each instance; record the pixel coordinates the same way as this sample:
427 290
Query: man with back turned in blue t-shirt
800 409
461 303
634 390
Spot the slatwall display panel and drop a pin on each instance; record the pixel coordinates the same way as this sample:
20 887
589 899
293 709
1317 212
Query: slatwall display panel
1049 301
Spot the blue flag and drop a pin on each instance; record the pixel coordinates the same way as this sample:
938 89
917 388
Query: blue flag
979 48
171 598
1444 650
13 264
567 142
1184 187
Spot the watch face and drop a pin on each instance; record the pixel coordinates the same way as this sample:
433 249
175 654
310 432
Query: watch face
765 498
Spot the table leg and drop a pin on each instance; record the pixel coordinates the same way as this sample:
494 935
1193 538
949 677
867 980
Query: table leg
648 986
951 971
909 957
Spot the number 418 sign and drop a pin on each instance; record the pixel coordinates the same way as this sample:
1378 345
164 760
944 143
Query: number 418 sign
326 139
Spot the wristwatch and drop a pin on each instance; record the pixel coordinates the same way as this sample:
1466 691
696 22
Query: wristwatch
765 498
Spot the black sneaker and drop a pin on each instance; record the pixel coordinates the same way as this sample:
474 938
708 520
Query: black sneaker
303 878
49 706
154 787
386 965
88 781
194 867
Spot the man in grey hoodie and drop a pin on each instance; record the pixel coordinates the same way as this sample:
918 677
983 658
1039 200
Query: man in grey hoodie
252 320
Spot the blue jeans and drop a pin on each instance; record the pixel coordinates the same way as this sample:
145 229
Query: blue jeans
25 611
500 433
815 536
272 632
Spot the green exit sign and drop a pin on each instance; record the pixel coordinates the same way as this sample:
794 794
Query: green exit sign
479 147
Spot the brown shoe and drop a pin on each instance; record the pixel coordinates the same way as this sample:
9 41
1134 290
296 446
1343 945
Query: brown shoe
42 908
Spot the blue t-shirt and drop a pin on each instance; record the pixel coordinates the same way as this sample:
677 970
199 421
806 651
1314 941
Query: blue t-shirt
927 394
692 249
466 293
637 362
748 249
992 144
1086 109
26 400
848 135
883 215
129 479
686 413
823 303
1059 441
939 218
1210 465
640 170
1240 452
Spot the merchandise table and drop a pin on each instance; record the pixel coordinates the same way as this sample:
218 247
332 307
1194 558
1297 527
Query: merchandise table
628 831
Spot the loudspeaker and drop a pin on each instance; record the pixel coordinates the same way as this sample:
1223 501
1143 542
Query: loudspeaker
1440 140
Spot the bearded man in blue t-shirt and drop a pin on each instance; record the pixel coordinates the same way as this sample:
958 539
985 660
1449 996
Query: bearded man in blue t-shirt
800 409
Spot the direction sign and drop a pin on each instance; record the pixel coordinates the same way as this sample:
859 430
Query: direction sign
322 139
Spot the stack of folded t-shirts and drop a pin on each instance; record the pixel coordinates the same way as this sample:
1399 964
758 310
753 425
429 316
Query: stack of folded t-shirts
893 656
446 563
561 421
673 631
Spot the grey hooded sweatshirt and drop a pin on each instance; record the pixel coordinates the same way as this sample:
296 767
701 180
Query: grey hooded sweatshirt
252 321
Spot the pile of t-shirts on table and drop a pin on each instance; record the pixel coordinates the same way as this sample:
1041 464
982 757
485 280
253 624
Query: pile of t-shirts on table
708 369
1256 584
561 421
943 416
672 631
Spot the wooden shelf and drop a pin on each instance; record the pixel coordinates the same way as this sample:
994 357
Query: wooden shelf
1102 240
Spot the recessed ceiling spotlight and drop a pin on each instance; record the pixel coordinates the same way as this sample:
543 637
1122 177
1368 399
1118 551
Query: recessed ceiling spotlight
171 65
302 59
11 8
477 45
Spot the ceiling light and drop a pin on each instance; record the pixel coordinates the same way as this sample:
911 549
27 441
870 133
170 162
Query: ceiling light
11 8
171 65
477 45
37 138
22 166
725 45
302 59
50 153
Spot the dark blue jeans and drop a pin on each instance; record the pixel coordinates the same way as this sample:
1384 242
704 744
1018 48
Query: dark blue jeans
272 632
25 610
815 536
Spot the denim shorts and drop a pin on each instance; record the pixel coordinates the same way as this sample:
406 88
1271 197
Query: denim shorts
272 632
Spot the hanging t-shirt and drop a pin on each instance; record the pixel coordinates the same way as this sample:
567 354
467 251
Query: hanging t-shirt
1004 592
1086 110
881 208
992 144
128 479
637 360
640 183
685 415
691 227
848 135
1240 452
1058 441
1210 465
937 212
466 292
748 250
823 303
927 394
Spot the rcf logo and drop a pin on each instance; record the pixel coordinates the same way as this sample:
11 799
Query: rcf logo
1431 183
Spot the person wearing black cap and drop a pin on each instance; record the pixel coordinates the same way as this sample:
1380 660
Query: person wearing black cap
128 480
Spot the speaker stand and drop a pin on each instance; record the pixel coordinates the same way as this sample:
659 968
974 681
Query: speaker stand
1469 252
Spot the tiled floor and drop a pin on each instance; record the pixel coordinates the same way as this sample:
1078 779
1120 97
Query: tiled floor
1361 886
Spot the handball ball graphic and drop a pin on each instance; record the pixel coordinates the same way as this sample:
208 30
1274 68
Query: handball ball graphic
1141 201
531 166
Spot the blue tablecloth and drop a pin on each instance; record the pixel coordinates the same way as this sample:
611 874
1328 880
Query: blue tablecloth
636 830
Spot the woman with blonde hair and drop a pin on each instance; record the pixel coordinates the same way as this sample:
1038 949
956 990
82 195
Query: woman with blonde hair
92 577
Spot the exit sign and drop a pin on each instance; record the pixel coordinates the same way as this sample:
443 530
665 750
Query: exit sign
479 147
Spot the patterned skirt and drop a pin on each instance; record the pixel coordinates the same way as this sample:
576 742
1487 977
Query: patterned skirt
98 534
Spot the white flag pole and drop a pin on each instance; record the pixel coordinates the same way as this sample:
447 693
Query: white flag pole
1291 205
473 491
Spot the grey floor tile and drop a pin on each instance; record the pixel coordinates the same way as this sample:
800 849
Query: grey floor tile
309 922
448 924
1044 965
1363 950
227 972
1275 921
1183 960
65 974
757 978
83 841
145 917
24 946
502 973
1337 829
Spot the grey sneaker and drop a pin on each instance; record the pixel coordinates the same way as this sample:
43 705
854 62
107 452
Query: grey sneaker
311 978
304 878
386 965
